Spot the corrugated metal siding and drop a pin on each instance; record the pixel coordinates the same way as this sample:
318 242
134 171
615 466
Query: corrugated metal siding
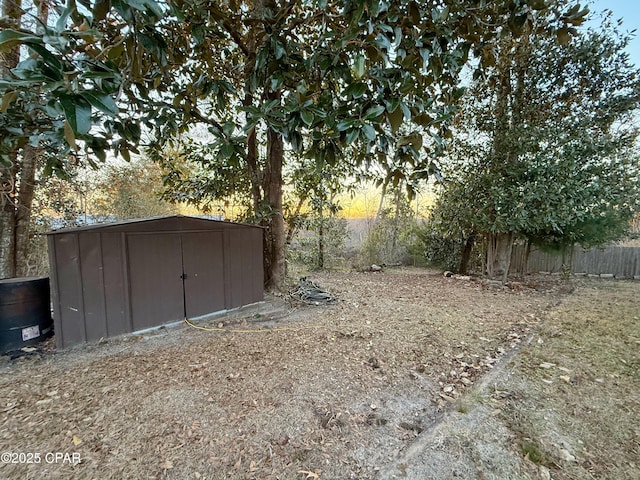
244 247
93 299
257 275
71 325
115 289
118 278
237 250
203 261
155 267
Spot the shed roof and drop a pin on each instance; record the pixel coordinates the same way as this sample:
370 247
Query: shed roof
206 222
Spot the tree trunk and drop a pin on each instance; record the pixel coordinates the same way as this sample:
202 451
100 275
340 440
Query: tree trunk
275 238
8 180
501 148
8 199
7 241
321 236
395 231
11 11
525 263
466 254
505 149
567 263
383 194
499 246
17 181
253 168
23 211
293 225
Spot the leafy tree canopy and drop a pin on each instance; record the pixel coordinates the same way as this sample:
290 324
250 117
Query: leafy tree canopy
557 161
261 77
323 74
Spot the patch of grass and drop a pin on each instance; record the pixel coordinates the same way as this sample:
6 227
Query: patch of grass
581 378
534 452
469 401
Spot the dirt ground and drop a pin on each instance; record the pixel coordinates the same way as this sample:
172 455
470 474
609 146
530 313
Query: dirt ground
407 375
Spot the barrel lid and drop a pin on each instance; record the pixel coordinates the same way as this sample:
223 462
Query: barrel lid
21 279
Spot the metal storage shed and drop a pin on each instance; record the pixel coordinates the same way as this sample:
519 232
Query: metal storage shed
114 278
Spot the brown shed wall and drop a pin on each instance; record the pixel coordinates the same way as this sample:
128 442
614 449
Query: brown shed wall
119 278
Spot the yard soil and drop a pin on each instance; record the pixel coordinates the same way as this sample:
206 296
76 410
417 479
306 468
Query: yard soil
407 375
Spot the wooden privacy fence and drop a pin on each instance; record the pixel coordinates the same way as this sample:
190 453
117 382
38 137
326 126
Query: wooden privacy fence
621 262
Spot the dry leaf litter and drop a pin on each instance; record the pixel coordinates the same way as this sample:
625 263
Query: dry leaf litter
281 390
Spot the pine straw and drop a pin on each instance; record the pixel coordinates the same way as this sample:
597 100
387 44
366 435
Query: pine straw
331 392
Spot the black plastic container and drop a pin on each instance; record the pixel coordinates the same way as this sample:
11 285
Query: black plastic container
25 312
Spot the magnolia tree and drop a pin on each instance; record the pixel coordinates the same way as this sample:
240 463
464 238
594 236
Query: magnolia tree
261 78
62 87
546 147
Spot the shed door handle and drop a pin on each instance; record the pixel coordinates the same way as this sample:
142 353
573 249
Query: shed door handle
183 276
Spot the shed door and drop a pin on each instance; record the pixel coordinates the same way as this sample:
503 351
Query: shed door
173 275
155 268
204 276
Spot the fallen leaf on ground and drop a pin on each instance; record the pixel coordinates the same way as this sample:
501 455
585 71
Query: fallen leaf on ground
312 475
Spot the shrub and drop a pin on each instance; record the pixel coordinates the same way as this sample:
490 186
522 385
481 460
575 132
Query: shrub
306 248
436 249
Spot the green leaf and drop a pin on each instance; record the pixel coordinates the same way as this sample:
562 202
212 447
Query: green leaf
228 128
125 154
395 119
279 50
15 130
132 131
77 112
100 153
352 135
145 6
383 42
101 75
261 59
405 110
102 102
369 132
392 104
356 90
198 33
123 9
48 58
227 150
57 42
374 112
307 117
345 125
297 142
359 66
61 24
11 38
